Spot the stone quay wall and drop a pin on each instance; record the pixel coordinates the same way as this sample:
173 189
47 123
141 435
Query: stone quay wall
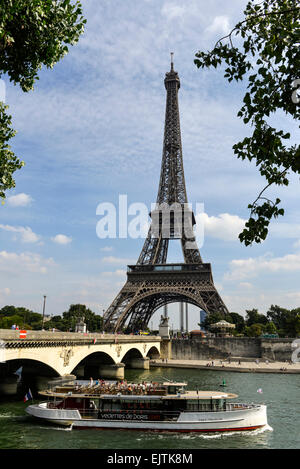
231 347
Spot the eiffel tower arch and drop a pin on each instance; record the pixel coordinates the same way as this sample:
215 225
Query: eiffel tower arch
152 282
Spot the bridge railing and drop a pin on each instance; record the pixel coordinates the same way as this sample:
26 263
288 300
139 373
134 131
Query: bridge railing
14 335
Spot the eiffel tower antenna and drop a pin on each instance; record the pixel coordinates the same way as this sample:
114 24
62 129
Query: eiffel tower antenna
172 64
152 283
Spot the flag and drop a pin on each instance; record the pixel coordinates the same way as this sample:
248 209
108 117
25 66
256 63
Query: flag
95 340
28 396
259 390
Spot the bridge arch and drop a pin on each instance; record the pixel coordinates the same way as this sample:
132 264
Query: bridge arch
131 354
31 366
153 353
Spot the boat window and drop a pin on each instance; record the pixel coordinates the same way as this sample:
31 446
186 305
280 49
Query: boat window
115 405
175 404
172 390
107 404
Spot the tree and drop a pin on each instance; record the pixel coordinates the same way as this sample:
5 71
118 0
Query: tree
57 322
292 325
268 56
270 328
239 322
255 330
33 33
211 318
278 316
76 312
20 316
254 317
9 162
287 322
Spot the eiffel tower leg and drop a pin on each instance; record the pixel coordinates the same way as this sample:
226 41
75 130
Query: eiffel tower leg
154 251
214 302
116 308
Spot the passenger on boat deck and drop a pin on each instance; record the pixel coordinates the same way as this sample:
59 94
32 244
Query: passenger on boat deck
91 382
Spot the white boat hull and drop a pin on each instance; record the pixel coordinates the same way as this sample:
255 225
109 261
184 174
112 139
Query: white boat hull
236 420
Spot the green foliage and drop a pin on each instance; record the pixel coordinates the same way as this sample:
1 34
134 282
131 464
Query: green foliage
211 319
281 321
287 322
33 33
71 317
27 319
9 162
268 57
255 330
270 328
253 317
22 317
239 322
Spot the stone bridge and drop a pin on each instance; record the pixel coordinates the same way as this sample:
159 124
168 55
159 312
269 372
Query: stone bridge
65 353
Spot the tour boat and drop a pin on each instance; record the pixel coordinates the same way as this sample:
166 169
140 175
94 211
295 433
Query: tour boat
167 406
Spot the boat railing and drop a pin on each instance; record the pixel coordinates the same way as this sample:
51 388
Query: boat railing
240 406
96 391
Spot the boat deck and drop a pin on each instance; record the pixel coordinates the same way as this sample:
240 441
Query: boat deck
143 390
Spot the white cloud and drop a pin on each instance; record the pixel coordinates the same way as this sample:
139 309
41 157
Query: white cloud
107 249
225 226
285 230
11 262
220 24
297 244
61 239
117 273
19 200
26 233
246 285
252 267
117 260
171 11
4 292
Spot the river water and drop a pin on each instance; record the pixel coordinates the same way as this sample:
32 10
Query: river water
281 393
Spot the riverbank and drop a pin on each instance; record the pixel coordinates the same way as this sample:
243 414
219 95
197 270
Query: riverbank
224 365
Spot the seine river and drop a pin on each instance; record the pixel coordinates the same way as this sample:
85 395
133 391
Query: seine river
281 393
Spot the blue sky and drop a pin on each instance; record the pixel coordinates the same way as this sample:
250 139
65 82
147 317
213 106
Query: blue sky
92 129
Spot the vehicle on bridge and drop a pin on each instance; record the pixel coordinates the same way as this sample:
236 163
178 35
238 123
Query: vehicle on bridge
147 406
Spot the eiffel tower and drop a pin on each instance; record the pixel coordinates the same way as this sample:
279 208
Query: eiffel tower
152 283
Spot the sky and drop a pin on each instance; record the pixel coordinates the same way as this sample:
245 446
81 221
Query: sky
91 133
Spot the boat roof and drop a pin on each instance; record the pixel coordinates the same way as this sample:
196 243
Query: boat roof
173 383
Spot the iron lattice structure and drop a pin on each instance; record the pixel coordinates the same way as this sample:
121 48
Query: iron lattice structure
152 283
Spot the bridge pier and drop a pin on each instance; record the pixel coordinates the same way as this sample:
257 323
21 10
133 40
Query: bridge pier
166 348
140 363
115 371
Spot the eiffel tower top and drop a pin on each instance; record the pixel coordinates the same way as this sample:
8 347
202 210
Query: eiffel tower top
172 184
171 191
172 76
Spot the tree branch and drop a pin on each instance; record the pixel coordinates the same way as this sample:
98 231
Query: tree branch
237 26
